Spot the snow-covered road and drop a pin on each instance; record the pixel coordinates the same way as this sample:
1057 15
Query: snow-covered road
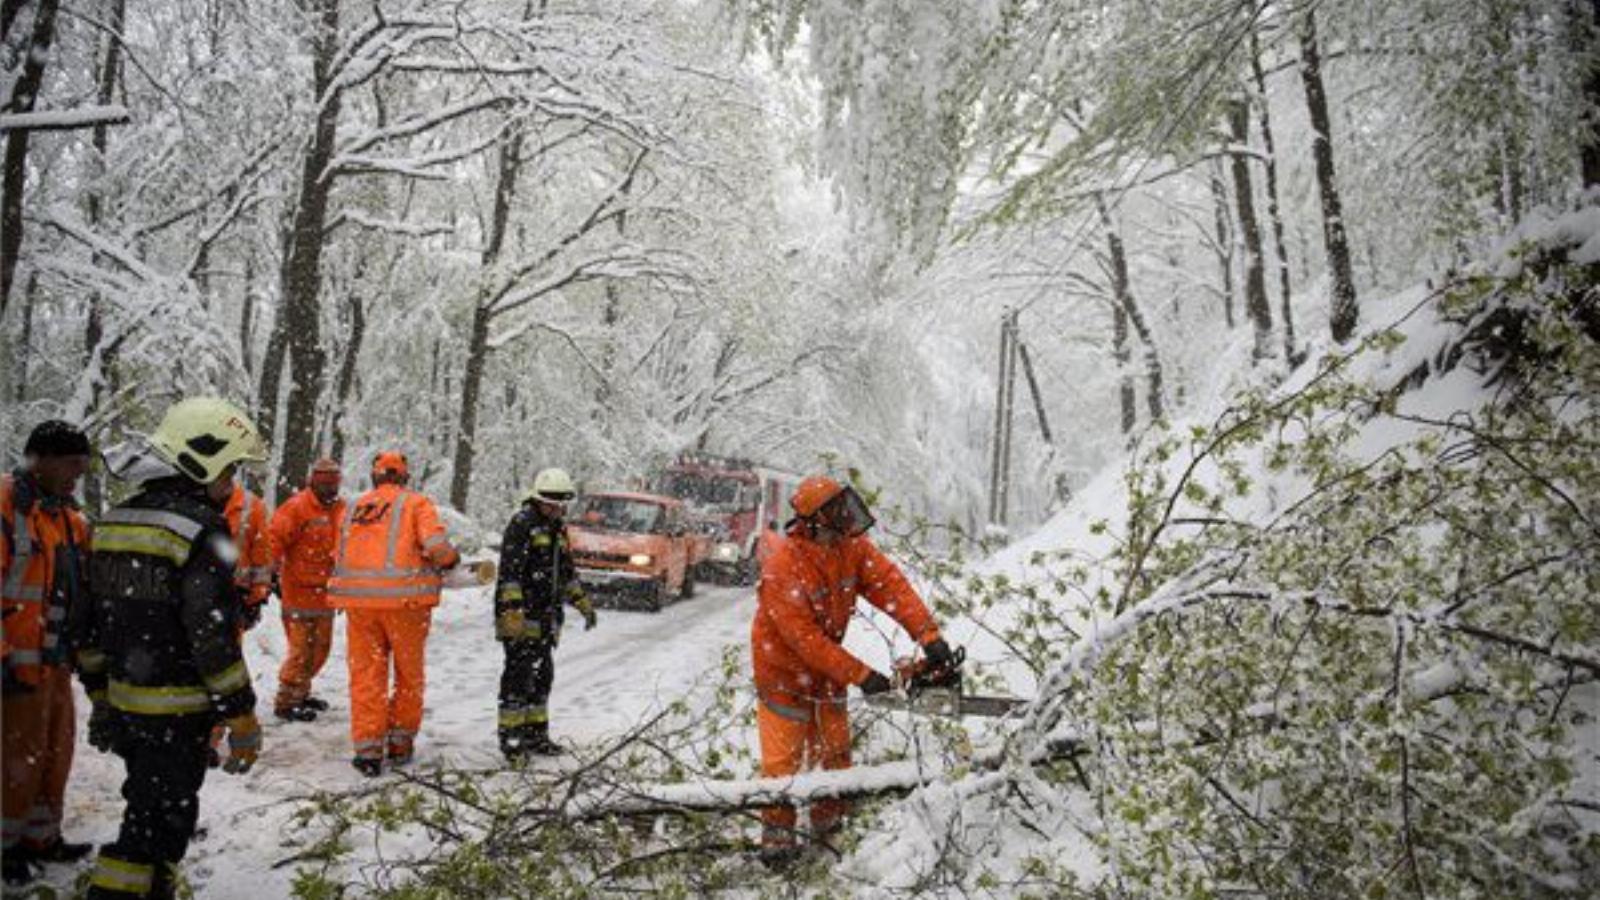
606 680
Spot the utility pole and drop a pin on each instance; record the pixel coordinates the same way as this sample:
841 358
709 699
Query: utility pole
1005 393
1011 351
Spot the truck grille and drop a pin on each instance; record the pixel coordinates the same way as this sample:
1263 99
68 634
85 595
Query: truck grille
600 559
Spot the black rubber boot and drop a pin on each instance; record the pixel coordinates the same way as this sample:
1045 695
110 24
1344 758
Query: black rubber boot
538 742
17 868
60 851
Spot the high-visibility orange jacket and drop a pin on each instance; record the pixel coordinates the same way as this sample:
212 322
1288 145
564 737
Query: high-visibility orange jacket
43 563
390 552
304 537
247 522
806 598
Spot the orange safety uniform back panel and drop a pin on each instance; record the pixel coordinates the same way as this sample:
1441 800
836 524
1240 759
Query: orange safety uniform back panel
806 598
34 537
247 522
390 552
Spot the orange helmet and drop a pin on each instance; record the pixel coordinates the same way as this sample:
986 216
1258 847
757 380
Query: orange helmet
391 462
824 501
813 494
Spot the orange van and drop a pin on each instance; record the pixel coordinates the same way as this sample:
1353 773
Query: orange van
632 550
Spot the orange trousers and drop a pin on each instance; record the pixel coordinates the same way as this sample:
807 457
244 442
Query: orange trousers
39 730
309 638
794 738
379 716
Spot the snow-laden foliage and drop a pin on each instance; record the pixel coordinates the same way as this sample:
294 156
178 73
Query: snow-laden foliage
1345 644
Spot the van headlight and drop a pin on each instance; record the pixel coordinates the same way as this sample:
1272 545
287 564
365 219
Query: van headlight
726 552
639 559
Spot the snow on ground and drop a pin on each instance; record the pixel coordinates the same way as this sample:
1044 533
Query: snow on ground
608 679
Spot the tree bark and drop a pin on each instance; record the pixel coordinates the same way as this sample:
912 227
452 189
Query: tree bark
1274 214
94 329
1219 196
1345 313
302 312
1129 313
347 373
1255 283
1590 154
478 349
23 94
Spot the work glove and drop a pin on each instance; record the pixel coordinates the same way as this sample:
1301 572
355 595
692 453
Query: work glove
103 726
510 625
876 683
244 743
586 609
938 653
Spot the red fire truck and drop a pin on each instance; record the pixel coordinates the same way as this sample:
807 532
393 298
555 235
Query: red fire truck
732 500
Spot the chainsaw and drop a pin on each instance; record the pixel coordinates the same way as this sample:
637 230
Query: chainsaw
934 689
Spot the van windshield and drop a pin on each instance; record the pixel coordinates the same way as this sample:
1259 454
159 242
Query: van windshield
703 490
618 514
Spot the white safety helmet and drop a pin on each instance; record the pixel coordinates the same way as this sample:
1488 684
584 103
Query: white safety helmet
552 486
202 436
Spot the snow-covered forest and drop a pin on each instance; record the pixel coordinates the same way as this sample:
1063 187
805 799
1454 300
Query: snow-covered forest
1224 373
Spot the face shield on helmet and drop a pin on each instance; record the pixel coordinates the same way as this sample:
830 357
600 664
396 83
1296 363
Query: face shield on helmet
846 513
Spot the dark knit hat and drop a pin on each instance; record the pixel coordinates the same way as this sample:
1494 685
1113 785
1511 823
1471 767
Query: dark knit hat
54 437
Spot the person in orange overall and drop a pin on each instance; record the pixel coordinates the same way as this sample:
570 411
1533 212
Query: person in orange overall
386 577
304 531
246 513
252 574
43 564
806 598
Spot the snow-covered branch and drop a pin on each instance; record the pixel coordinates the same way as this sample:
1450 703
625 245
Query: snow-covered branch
64 119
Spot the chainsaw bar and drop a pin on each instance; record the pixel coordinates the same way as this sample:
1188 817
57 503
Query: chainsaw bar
946 702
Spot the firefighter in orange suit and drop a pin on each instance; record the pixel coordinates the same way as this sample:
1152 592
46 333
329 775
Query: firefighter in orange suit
386 577
247 521
806 597
304 531
43 561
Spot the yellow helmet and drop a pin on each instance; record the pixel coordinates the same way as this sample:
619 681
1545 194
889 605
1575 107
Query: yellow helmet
553 485
203 436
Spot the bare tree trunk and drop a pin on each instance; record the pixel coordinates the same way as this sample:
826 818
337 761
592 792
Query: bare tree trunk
1274 214
1219 196
1255 283
505 190
94 329
247 315
1591 91
272 360
302 311
347 373
1122 295
23 94
25 339
1345 312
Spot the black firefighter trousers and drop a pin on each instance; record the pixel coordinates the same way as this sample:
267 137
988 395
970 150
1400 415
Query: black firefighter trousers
166 761
525 692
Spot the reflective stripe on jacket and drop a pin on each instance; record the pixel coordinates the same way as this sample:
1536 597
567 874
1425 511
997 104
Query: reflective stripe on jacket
805 600
304 536
390 552
42 561
247 522
164 612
